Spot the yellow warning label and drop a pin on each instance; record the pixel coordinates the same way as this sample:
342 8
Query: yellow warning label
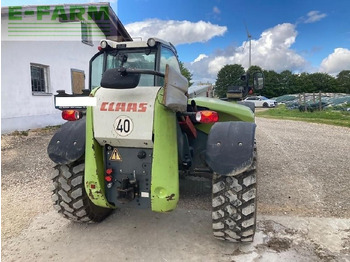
115 156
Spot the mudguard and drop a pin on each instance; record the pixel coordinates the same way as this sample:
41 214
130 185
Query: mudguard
68 143
230 147
251 105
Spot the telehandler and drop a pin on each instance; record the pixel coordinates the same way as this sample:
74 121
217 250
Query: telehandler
134 132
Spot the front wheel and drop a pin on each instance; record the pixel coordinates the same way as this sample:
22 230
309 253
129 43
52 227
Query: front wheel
69 195
234 206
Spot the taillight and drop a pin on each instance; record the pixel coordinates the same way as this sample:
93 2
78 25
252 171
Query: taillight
71 115
108 176
207 116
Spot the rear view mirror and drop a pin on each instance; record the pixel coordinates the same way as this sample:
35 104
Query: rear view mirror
118 79
258 80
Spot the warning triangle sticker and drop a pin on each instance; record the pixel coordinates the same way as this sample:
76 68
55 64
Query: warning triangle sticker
115 156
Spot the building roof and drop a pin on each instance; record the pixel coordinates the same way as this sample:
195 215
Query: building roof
117 31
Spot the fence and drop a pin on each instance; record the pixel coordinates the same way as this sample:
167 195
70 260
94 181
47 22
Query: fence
305 106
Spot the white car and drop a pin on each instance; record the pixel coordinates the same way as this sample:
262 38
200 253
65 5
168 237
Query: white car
261 101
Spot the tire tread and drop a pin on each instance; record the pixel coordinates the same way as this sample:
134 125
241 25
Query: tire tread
69 196
234 205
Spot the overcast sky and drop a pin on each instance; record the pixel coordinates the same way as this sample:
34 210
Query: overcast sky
297 35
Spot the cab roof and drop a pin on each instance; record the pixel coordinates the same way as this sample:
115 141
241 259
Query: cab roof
138 44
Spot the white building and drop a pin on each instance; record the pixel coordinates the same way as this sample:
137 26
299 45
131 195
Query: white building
45 49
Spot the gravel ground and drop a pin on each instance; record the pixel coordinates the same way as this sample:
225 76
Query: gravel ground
303 171
25 179
304 168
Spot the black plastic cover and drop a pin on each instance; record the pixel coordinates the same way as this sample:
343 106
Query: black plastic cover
230 147
119 79
68 143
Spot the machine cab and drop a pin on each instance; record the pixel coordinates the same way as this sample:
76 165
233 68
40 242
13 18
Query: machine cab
149 59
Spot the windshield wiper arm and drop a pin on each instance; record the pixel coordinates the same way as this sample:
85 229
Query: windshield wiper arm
125 71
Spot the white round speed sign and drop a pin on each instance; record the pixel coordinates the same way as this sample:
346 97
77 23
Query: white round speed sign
123 125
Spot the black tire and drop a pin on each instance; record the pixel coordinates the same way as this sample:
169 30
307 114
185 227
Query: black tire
265 105
234 206
70 198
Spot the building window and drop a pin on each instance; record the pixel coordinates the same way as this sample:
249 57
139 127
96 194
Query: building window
40 78
86 34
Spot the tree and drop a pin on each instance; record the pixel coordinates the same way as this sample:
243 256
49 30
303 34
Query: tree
278 84
303 83
272 86
186 73
227 76
287 82
321 82
254 69
343 81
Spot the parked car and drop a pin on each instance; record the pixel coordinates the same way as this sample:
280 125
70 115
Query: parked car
261 101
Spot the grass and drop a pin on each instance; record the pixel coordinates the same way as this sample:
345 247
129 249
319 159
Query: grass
20 133
37 130
329 117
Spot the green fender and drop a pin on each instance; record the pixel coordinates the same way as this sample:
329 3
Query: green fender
227 111
94 169
165 174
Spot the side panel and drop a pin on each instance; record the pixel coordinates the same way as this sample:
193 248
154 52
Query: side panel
227 111
165 174
94 169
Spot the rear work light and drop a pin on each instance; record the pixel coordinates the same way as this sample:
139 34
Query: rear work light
207 116
71 115
102 45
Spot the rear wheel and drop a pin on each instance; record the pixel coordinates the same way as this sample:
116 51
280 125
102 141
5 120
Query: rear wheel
69 195
234 206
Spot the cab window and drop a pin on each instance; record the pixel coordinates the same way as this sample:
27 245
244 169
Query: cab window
134 59
168 57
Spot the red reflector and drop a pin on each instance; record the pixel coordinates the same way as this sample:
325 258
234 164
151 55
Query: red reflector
71 115
109 171
99 48
207 116
108 178
92 186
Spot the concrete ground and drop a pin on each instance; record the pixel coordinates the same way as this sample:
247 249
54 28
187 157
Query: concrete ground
182 235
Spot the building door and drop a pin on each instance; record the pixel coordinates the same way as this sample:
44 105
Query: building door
78 81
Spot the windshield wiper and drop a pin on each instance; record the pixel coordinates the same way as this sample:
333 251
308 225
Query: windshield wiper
124 71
